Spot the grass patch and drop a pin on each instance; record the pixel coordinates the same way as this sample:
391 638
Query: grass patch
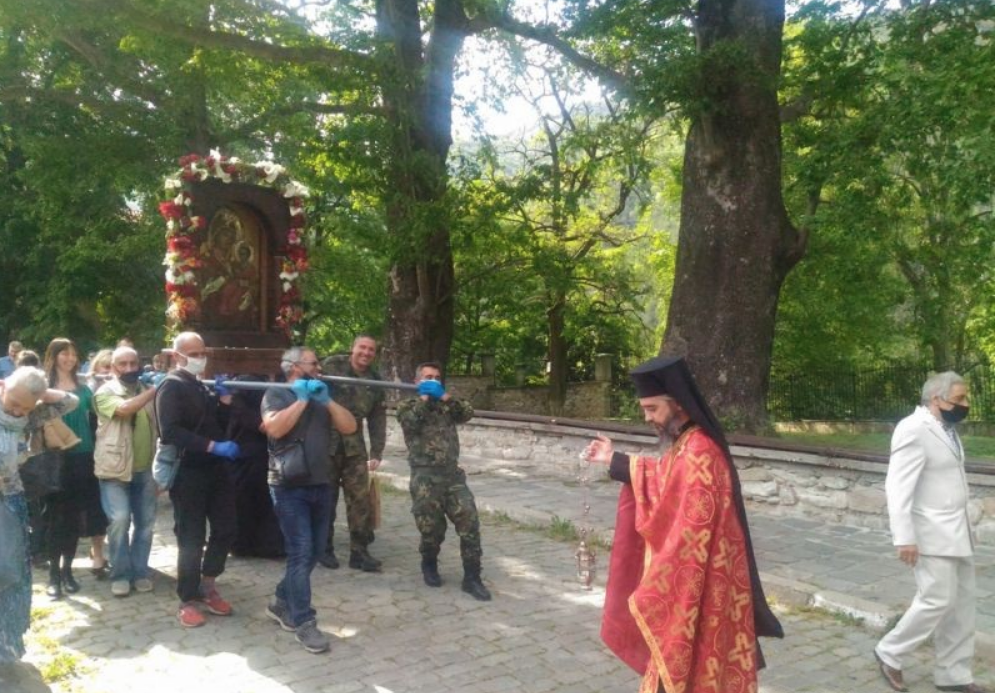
978 447
848 620
558 529
56 663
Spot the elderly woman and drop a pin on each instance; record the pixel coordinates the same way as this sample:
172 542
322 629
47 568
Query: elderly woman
27 403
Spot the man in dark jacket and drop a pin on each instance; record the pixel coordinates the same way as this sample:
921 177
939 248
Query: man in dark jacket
194 419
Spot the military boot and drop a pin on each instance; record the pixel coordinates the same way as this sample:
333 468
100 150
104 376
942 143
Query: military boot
472 584
360 559
430 571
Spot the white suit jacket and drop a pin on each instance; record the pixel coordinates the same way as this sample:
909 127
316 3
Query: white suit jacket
927 488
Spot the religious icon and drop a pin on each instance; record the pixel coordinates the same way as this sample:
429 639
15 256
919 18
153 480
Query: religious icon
230 273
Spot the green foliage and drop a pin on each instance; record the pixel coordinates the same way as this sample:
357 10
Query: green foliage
894 144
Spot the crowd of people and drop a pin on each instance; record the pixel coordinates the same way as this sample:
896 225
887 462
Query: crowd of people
249 471
684 605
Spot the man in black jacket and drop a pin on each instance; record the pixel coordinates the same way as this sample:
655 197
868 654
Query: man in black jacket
194 419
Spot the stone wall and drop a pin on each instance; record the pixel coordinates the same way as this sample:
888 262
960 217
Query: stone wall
823 486
591 400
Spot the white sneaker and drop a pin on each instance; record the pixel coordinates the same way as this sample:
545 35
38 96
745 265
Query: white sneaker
120 588
144 585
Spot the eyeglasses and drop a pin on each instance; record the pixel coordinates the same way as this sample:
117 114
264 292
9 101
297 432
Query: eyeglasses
193 354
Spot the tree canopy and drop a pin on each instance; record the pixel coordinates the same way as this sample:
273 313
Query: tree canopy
665 208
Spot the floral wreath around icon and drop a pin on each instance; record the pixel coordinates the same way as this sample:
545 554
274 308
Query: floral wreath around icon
183 256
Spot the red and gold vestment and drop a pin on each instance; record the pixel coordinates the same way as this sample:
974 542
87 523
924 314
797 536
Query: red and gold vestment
686 619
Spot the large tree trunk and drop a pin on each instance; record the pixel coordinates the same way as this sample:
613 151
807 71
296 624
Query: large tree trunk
556 322
736 242
419 104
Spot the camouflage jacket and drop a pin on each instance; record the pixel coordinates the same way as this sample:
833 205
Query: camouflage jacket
365 403
430 430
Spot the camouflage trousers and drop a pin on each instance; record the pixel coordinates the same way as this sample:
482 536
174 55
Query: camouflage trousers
436 495
351 474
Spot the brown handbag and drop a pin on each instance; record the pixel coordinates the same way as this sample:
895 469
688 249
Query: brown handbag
58 436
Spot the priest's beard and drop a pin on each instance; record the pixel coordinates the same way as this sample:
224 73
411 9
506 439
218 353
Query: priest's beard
667 432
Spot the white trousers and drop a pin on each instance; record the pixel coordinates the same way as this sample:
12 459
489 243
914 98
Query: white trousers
944 608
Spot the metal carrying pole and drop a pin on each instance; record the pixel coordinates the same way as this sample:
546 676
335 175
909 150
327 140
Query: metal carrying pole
334 379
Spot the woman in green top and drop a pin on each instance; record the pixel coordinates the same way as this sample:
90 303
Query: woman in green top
75 511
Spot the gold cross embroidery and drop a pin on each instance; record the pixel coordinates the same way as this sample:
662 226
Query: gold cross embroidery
739 600
663 577
743 654
700 468
695 544
720 559
685 622
711 673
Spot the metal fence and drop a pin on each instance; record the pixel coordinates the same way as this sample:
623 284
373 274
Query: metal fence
876 394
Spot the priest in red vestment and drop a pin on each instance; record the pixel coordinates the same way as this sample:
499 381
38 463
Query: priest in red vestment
684 604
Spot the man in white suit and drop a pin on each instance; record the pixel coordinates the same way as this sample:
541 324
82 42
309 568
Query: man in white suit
927 505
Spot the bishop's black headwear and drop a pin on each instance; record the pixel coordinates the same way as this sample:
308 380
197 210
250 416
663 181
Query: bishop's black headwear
670 376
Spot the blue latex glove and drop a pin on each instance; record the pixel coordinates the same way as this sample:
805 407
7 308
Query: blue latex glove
226 448
319 391
432 388
147 378
219 389
157 379
301 389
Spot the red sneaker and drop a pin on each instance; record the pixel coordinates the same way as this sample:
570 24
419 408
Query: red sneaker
190 616
215 604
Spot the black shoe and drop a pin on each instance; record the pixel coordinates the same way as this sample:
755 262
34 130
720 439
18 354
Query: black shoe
362 560
430 571
54 589
328 560
475 588
69 583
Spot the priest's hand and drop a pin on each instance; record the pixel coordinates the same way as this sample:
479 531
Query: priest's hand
908 554
599 450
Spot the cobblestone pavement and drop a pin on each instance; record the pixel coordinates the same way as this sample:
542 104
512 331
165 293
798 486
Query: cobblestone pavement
392 634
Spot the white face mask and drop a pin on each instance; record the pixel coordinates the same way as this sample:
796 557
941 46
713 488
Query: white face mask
195 366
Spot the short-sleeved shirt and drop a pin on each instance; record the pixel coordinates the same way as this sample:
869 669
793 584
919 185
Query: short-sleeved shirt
314 427
78 420
142 444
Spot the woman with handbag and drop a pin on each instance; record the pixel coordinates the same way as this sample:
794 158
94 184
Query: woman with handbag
75 511
20 396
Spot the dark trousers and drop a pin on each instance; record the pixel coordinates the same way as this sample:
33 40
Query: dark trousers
61 515
351 473
202 494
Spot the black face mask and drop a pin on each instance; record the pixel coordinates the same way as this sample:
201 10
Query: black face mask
129 378
956 414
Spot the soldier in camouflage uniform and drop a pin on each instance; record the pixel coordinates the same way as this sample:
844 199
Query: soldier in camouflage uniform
438 484
350 462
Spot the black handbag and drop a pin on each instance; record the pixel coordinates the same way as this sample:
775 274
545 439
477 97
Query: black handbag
42 474
290 463
288 460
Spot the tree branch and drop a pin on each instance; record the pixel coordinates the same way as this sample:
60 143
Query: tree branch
547 35
326 56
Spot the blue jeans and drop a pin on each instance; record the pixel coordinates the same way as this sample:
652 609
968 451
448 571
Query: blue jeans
125 502
303 514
